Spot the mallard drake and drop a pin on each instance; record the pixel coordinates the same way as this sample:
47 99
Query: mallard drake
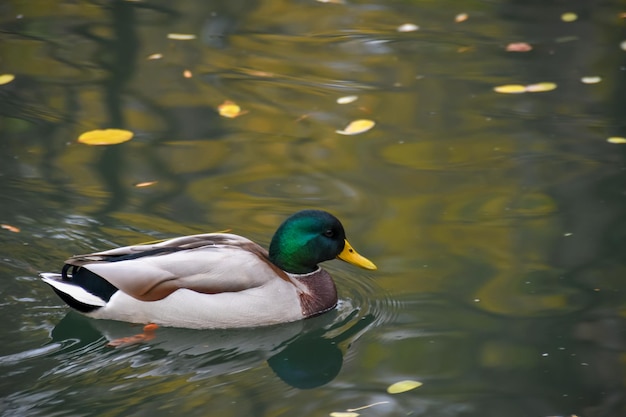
213 280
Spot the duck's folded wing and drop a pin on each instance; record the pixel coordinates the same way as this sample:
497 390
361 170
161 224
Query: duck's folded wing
209 263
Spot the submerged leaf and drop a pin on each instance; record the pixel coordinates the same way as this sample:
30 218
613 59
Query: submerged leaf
105 137
357 126
6 78
403 386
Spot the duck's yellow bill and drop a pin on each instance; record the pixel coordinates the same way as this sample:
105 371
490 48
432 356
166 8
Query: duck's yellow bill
351 256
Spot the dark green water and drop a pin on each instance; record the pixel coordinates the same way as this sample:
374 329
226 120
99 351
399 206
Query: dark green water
497 221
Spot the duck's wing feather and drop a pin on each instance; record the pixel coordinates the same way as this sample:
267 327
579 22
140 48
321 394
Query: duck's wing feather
207 263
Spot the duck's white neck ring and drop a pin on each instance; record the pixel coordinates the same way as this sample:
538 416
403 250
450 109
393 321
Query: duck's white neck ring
308 274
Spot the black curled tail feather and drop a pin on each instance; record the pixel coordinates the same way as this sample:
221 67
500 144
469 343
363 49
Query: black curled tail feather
90 281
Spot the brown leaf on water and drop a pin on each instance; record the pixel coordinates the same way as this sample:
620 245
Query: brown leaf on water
10 228
145 184
518 47
105 137
461 17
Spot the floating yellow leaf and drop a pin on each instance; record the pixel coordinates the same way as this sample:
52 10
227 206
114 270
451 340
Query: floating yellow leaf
622 45
510 89
105 137
347 99
230 110
187 74
10 228
569 17
408 27
616 140
540 87
357 126
344 414
181 36
6 78
403 386
155 56
591 80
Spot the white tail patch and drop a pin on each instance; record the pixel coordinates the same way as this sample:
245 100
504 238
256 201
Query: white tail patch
74 291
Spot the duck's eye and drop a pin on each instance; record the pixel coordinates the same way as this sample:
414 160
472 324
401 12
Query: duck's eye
329 233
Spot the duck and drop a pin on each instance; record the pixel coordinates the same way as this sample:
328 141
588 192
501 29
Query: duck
212 280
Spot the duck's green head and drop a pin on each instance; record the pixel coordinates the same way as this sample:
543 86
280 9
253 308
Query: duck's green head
310 237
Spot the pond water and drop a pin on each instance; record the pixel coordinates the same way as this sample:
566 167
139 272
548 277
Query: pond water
497 220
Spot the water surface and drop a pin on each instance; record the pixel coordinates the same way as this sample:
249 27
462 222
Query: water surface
497 221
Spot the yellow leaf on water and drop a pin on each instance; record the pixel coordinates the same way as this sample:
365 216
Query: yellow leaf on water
6 78
616 140
343 414
181 36
357 126
569 17
105 137
591 79
187 74
403 386
540 87
407 27
510 89
622 45
347 99
154 56
230 110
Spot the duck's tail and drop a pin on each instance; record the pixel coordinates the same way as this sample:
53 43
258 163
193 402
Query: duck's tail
74 295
